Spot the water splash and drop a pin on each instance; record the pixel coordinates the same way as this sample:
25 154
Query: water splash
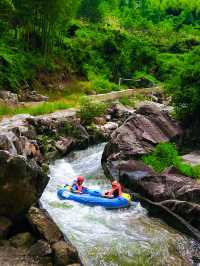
120 237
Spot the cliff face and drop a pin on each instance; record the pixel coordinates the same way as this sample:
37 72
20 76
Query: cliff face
138 135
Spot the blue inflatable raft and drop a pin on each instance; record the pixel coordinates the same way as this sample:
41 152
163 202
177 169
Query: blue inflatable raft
93 198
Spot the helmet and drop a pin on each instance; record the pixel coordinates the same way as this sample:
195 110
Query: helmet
115 184
80 179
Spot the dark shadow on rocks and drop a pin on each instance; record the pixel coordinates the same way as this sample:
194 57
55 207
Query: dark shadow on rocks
159 211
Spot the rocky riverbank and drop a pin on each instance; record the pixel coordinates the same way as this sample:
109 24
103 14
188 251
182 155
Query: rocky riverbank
27 145
170 192
28 236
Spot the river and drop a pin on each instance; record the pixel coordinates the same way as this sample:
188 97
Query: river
127 237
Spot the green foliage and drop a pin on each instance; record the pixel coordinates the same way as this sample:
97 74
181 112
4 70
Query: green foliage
70 129
109 39
90 109
165 155
184 86
142 79
101 85
90 10
14 67
188 170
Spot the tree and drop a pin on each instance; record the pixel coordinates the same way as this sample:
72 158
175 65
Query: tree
6 11
43 19
90 10
184 87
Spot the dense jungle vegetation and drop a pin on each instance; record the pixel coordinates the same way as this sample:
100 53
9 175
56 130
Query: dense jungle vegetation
99 41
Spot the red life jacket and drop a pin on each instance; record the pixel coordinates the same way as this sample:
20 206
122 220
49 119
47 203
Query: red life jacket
79 187
117 189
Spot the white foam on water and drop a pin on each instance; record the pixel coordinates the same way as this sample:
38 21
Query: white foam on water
106 237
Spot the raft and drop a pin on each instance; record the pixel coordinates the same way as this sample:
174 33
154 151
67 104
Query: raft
93 198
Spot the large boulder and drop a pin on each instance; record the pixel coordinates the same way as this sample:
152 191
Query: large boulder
139 134
44 225
142 131
21 184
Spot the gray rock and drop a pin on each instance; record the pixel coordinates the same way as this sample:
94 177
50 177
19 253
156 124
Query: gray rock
120 112
42 223
21 184
192 158
142 131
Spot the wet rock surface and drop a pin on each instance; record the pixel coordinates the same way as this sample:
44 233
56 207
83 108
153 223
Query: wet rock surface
137 136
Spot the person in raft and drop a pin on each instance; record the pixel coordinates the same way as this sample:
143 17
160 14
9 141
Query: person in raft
116 191
77 186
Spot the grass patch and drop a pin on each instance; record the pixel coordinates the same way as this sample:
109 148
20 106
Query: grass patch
39 109
133 100
44 108
6 110
165 155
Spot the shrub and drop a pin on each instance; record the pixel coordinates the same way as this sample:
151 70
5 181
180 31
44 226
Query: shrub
164 155
90 109
102 85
